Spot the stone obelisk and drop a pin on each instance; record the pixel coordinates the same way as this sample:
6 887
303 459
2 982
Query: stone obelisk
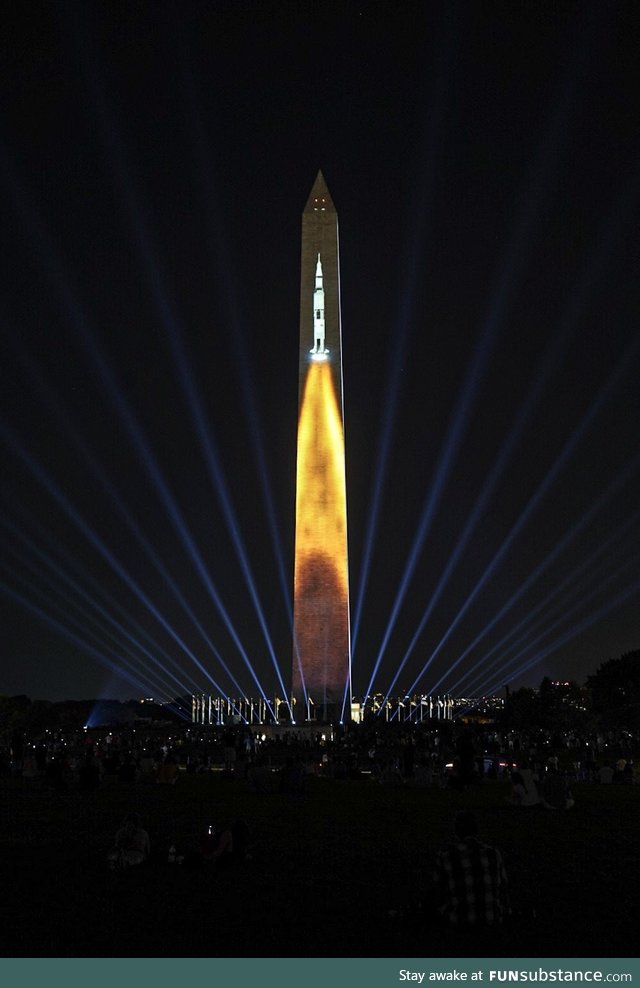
321 681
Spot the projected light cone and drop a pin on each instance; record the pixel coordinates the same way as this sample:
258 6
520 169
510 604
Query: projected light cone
321 596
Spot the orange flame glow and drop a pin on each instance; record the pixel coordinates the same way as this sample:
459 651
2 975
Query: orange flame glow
321 593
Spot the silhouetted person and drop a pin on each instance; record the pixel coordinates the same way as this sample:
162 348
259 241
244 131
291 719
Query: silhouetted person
221 846
216 844
229 744
471 888
128 770
555 790
605 774
408 758
131 844
89 775
5 763
292 776
524 790
41 758
17 751
168 771
465 753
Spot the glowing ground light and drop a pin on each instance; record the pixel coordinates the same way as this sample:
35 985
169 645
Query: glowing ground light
321 593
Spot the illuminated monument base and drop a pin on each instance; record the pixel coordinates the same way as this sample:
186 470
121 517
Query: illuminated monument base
218 710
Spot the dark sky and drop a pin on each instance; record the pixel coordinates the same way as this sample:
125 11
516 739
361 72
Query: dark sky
155 159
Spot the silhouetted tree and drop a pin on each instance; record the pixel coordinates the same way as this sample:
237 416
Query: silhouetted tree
615 692
554 706
547 703
521 709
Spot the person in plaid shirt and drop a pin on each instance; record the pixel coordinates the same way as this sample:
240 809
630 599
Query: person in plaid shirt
470 880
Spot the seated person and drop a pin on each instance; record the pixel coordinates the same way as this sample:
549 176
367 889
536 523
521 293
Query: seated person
470 882
605 774
167 772
89 774
128 770
216 844
131 844
292 776
225 844
555 791
260 777
524 791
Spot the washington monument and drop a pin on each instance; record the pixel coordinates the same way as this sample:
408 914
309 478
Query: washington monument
321 680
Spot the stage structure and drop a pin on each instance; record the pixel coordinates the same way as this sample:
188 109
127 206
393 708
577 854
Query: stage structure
321 679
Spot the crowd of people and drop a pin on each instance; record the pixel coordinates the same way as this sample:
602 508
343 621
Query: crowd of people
468 895
420 754
215 845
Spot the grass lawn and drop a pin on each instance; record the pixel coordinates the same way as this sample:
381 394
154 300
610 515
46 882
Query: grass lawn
326 868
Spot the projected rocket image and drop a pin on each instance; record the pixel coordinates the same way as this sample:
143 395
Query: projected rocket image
318 348
321 646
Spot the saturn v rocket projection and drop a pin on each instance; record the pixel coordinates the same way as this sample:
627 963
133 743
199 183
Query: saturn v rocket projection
321 681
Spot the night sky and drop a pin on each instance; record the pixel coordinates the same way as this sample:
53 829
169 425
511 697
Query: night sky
155 159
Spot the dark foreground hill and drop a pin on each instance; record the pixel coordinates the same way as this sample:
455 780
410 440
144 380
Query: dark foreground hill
325 869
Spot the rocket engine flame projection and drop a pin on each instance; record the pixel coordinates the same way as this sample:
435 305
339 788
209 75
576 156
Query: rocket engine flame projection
321 592
321 680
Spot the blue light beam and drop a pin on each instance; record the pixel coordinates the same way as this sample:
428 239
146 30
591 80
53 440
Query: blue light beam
94 605
87 624
420 214
613 488
585 599
590 276
83 645
570 580
520 243
568 449
61 282
628 594
139 228
76 518
89 460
